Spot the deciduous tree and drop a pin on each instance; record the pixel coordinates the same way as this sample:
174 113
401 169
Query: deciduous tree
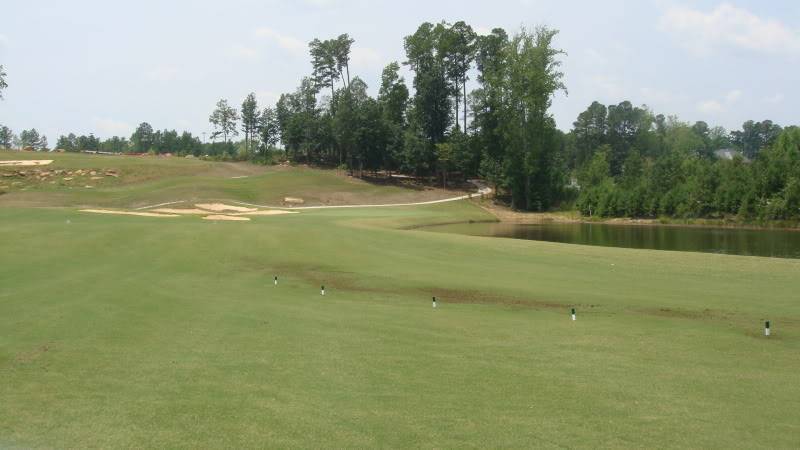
224 119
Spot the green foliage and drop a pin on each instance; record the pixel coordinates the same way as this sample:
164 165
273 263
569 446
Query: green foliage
142 138
250 121
224 119
3 82
686 181
393 99
6 137
268 129
755 136
31 139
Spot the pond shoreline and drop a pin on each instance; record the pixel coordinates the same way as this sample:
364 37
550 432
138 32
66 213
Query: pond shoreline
773 242
507 215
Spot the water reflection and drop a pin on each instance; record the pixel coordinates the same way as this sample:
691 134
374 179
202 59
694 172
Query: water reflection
775 243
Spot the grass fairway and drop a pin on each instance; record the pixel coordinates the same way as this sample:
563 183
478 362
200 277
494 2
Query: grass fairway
120 331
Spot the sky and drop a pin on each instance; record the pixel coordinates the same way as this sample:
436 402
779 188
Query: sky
105 66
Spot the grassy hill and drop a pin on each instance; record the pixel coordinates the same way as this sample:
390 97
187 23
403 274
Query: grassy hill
139 181
120 331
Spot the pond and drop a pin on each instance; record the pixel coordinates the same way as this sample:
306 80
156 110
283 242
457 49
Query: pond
734 241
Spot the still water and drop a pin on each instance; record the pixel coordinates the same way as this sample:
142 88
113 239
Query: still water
734 241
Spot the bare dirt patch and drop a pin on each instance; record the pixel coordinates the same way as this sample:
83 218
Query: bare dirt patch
31 162
293 200
268 212
184 211
128 213
225 217
32 355
221 207
485 298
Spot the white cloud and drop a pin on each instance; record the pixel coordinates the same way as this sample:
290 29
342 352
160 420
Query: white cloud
729 26
733 96
286 42
111 127
365 57
594 57
775 99
266 98
243 52
611 87
655 96
716 106
319 3
483 30
710 107
162 73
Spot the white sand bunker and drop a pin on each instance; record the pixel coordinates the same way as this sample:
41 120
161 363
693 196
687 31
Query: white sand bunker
30 162
128 213
224 217
220 207
180 211
269 212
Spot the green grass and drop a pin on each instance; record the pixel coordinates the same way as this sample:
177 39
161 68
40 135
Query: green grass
120 331
151 180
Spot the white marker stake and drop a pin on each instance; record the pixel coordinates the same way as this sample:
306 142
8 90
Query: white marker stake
322 290
276 280
434 302
573 313
766 328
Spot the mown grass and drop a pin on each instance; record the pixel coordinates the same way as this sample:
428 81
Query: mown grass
145 332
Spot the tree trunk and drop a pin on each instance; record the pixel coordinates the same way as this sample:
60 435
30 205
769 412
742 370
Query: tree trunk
527 192
333 94
457 96
464 85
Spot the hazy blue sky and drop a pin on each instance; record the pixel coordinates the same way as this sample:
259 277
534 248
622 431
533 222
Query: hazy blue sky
105 66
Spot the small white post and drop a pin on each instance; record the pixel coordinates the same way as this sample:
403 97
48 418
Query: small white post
766 328
434 302
276 280
573 313
322 290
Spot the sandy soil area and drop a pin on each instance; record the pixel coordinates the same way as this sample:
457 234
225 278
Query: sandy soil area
182 211
269 212
224 217
30 162
221 207
128 213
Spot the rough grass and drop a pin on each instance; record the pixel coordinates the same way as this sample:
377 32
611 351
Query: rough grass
139 332
150 180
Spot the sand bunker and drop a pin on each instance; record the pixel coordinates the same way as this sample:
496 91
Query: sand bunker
220 207
295 200
180 211
270 212
224 217
129 213
30 162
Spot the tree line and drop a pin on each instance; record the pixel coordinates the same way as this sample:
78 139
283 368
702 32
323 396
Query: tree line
617 160
511 139
629 162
